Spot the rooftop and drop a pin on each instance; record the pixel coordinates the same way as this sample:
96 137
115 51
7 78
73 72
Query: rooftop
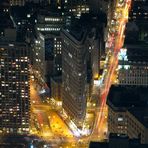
50 13
127 96
82 27
137 52
77 33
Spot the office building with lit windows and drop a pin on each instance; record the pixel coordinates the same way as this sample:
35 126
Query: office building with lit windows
51 22
128 111
57 54
74 76
48 26
133 65
82 49
80 62
47 55
72 7
77 7
14 87
38 60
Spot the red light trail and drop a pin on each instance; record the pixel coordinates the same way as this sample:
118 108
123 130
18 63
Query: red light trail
118 43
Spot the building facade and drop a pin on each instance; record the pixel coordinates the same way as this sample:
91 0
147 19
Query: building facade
57 55
77 7
133 65
74 77
82 49
47 55
127 112
38 60
73 7
124 122
14 88
50 22
49 25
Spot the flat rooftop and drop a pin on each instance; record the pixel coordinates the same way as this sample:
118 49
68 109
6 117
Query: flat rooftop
128 96
137 52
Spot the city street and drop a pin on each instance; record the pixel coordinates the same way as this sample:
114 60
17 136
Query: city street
101 119
51 125
67 68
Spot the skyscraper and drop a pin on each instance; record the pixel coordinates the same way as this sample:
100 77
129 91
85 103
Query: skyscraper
14 87
39 57
50 24
74 76
82 49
